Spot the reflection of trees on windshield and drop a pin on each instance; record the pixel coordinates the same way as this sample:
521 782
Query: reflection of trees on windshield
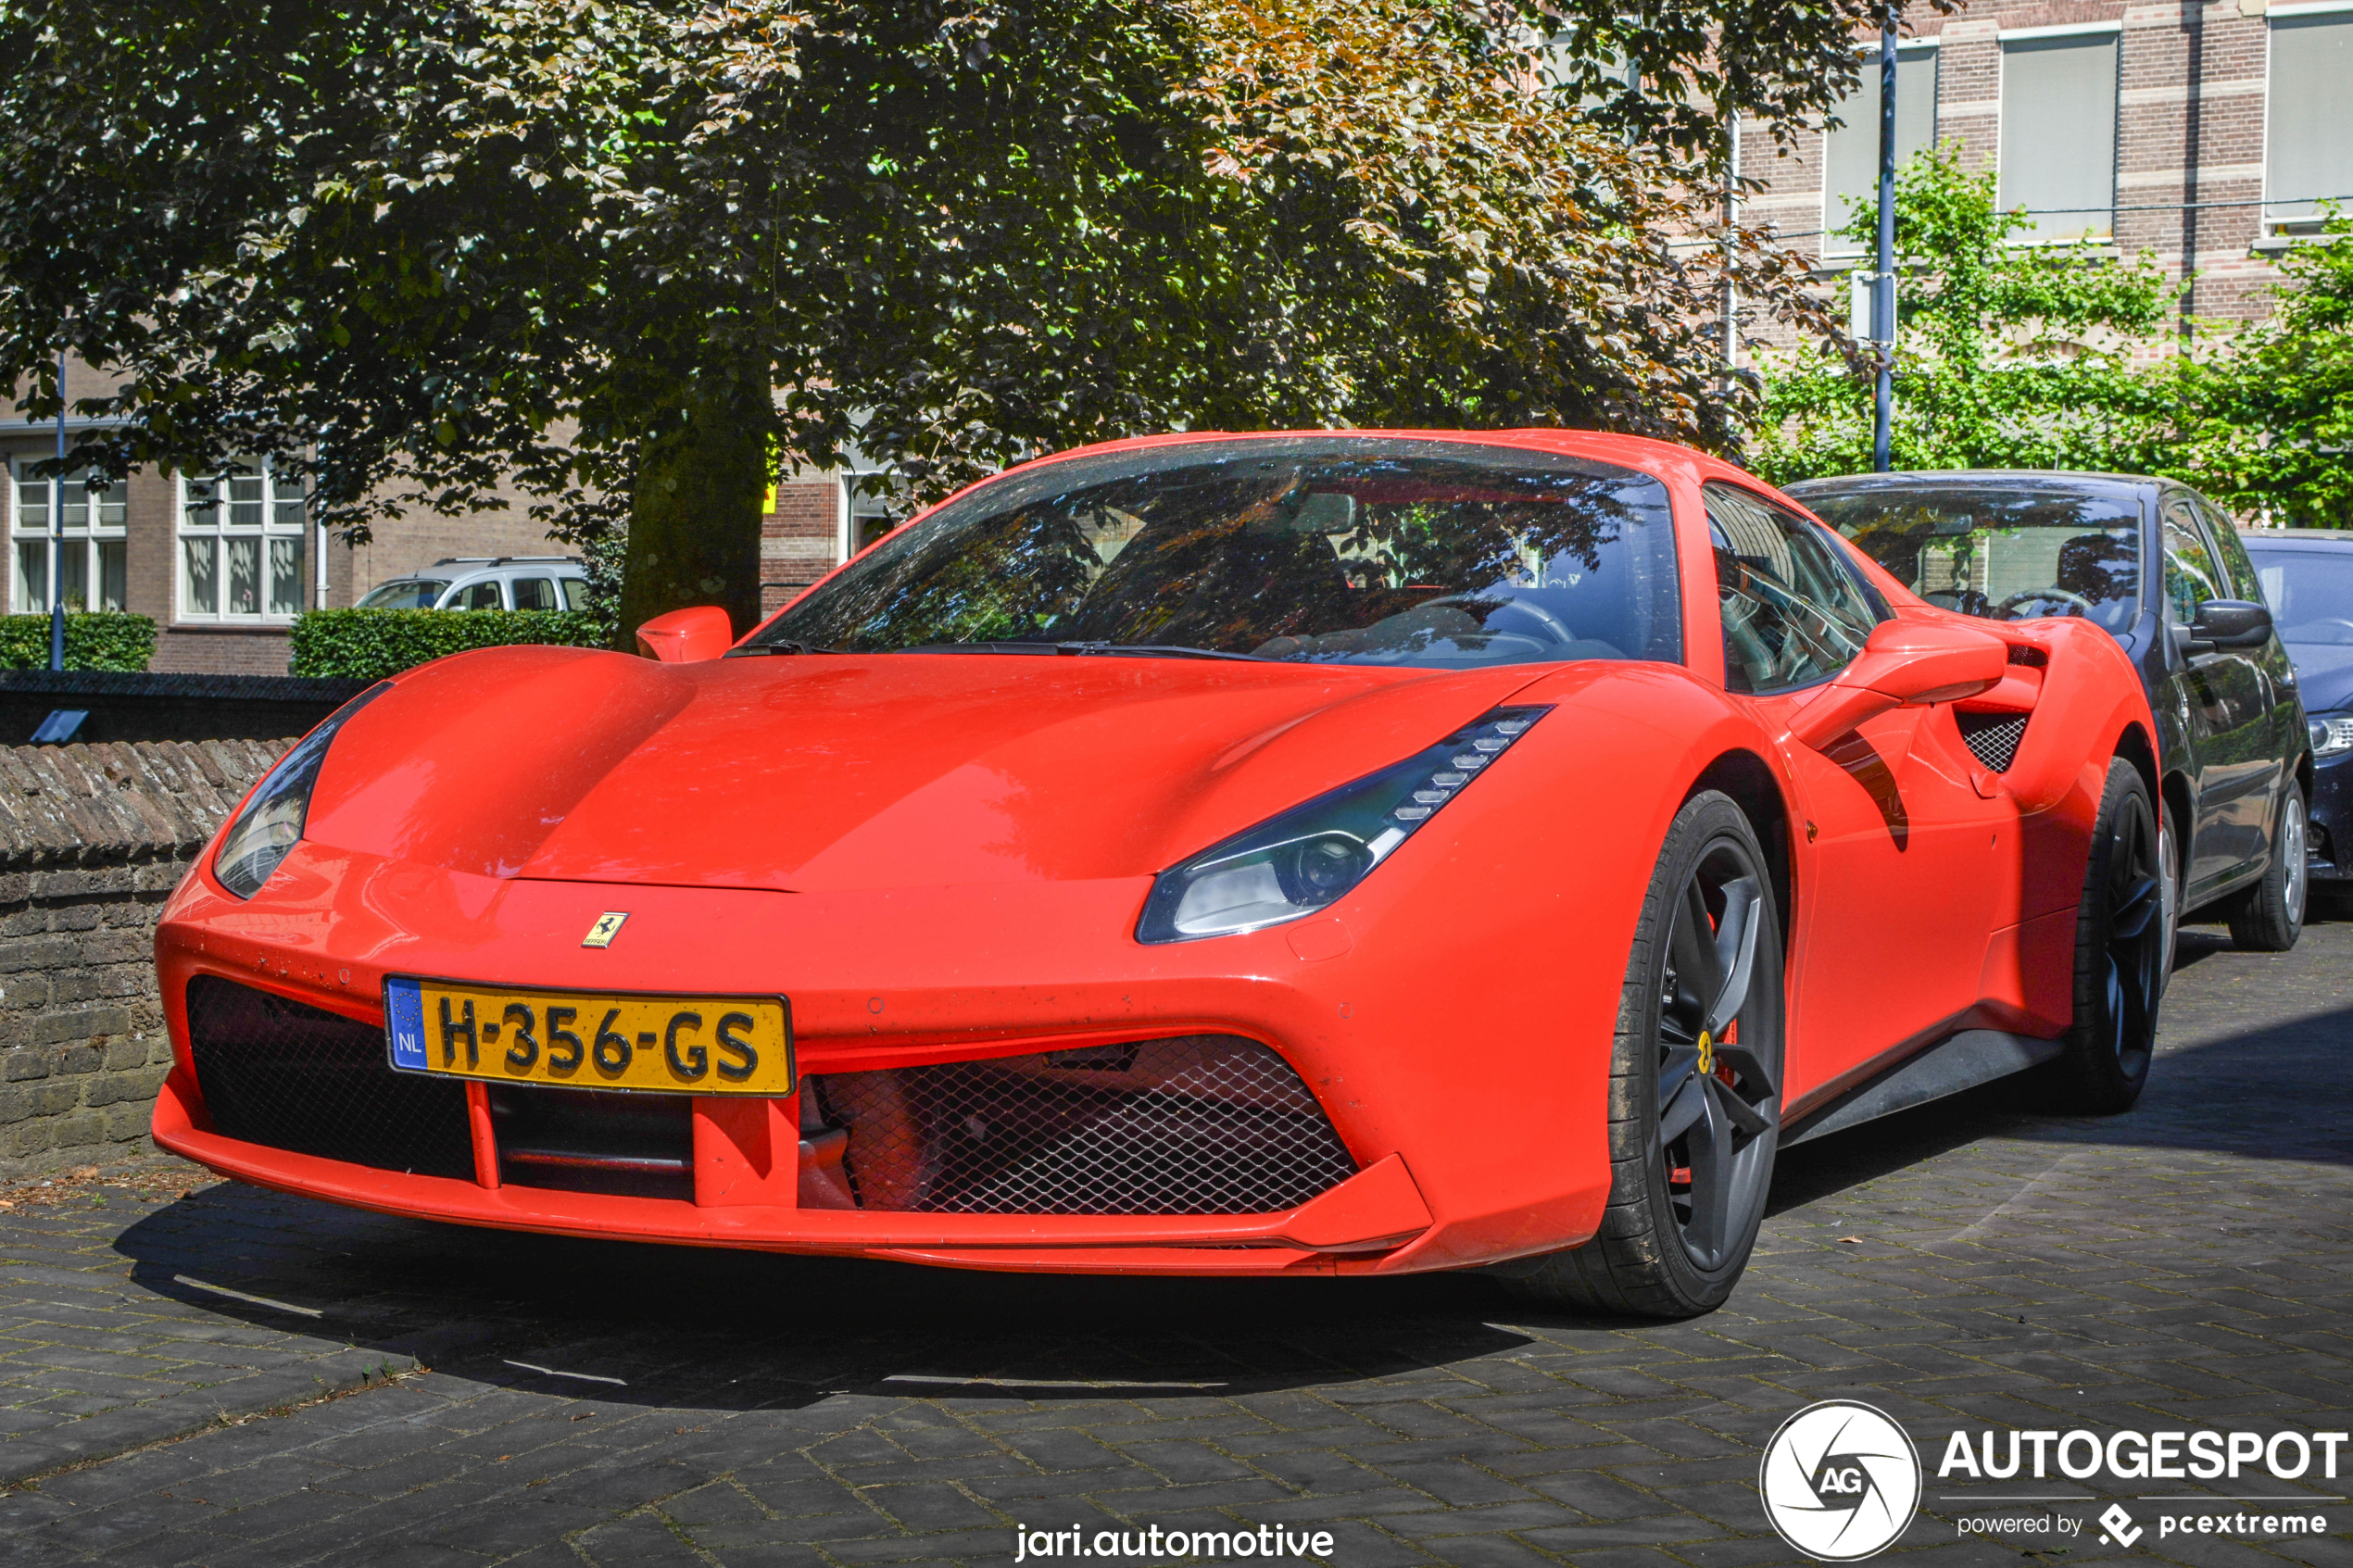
2006 553
1340 548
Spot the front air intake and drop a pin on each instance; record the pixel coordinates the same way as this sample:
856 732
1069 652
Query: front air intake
287 1075
1205 1124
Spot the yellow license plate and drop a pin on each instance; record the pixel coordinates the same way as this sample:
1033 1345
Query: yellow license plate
591 1039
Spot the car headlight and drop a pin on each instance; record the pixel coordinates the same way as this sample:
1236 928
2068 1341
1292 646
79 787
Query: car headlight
2332 735
271 825
1294 864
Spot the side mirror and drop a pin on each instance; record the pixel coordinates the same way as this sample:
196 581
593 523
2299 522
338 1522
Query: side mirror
2232 623
686 636
1905 663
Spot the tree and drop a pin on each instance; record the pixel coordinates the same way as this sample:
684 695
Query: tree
2007 357
636 253
2264 422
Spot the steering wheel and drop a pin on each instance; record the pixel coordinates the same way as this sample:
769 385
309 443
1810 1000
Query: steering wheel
1550 622
2043 596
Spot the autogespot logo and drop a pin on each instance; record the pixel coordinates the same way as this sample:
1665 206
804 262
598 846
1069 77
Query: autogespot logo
1841 1481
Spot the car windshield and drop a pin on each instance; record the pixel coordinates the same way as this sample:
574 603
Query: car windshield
2310 592
2004 552
405 592
1327 549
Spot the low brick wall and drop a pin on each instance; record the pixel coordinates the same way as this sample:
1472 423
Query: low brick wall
92 839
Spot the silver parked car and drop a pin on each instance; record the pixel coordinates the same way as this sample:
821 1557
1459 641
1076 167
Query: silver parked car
487 582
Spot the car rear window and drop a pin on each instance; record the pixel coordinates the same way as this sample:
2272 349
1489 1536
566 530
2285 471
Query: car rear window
405 592
2310 592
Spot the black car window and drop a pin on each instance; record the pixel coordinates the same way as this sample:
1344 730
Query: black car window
1794 613
2191 577
2236 567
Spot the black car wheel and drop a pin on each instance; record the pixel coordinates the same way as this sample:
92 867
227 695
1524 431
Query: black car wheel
2269 917
2123 946
1694 1096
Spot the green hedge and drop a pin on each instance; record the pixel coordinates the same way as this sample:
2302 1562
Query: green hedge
106 639
368 644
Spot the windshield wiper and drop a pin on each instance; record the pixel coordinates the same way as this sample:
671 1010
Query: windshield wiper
782 645
1166 650
1171 650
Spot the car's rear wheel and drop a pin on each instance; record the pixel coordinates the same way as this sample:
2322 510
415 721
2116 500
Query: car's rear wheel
2269 917
2122 945
1694 1091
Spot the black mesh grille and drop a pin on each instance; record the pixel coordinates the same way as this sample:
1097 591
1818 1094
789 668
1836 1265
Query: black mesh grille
1994 737
1208 1124
285 1075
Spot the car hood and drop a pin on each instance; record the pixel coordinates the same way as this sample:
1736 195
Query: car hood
2324 674
814 772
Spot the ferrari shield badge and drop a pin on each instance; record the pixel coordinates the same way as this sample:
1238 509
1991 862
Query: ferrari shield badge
608 926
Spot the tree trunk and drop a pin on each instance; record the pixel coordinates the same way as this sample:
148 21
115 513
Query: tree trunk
693 518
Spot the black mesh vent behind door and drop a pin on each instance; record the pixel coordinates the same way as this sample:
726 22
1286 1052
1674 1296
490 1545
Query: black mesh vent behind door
1992 738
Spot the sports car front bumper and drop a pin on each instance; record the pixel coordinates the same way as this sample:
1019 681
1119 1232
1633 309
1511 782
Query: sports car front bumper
1468 1111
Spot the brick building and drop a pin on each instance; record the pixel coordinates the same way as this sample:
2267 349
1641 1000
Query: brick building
222 563
2202 132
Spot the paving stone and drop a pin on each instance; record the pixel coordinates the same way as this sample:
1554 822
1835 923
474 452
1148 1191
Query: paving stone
2185 1263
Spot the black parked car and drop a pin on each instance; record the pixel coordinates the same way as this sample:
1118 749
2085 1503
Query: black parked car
2157 565
2307 582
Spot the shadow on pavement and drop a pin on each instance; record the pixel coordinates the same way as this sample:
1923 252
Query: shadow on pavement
690 1328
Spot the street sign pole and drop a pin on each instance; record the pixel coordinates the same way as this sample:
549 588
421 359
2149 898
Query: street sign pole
1883 285
58 531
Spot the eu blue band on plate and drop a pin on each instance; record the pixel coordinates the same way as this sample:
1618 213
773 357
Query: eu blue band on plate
405 1021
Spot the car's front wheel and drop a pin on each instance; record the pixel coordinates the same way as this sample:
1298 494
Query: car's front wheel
1694 1091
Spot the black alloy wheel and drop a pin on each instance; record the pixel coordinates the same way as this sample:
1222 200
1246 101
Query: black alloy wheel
2122 951
1695 1094
1718 1100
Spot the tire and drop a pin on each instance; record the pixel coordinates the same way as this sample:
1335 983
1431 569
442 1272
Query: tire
2120 949
2169 867
1684 1209
2269 917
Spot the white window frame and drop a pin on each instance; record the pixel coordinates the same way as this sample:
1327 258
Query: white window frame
2285 229
21 533
222 534
2001 114
1870 52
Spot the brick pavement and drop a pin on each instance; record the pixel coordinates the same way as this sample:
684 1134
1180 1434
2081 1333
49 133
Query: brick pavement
2185 1265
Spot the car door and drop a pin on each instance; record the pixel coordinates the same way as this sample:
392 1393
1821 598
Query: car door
2226 708
1903 874
479 595
2283 723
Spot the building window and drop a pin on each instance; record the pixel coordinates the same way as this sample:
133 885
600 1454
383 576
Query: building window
2308 131
2058 133
866 515
1850 151
241 545
90 559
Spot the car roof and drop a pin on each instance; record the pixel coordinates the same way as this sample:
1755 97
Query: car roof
2056 480
2257 538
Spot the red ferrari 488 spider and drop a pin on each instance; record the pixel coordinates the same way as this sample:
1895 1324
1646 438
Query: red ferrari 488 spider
1343 851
